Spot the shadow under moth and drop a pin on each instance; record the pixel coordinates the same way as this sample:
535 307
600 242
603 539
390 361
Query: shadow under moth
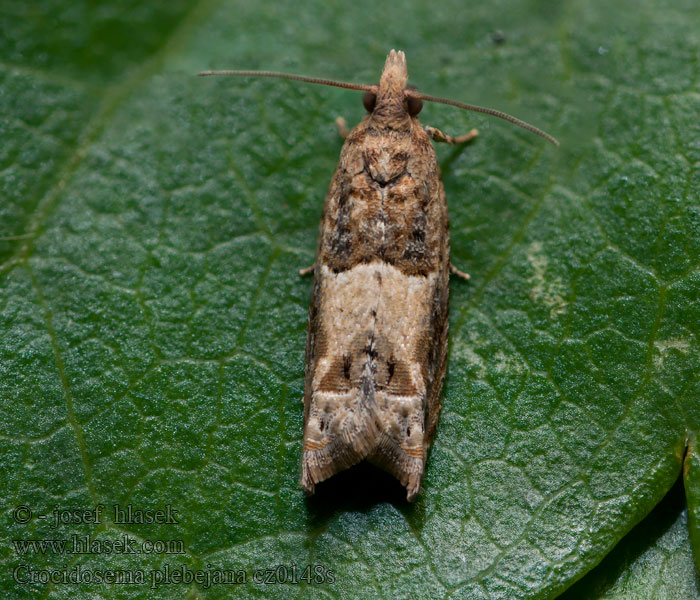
377 338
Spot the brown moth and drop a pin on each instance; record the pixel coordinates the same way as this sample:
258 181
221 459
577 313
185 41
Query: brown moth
377 337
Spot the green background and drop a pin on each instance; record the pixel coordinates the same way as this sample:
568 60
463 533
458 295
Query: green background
153 322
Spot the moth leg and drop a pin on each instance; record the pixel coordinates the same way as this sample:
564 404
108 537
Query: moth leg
461 274
343 130
438 136
304 272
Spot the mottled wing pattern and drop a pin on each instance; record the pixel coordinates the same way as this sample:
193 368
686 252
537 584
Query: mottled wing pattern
377 333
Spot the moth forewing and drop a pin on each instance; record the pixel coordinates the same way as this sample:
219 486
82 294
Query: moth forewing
377 332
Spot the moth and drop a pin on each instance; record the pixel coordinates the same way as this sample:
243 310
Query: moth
377 336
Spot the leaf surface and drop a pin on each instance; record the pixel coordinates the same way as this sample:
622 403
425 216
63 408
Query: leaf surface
152 227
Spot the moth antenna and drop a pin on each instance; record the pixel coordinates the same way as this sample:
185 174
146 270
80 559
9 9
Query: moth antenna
373 88
340 84
487 111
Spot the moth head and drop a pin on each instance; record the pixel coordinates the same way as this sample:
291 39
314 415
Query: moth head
389 104
412 105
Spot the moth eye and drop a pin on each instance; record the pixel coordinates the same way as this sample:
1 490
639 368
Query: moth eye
369 100
414 106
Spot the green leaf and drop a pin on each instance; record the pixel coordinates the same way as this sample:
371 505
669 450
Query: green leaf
653 561
153 322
